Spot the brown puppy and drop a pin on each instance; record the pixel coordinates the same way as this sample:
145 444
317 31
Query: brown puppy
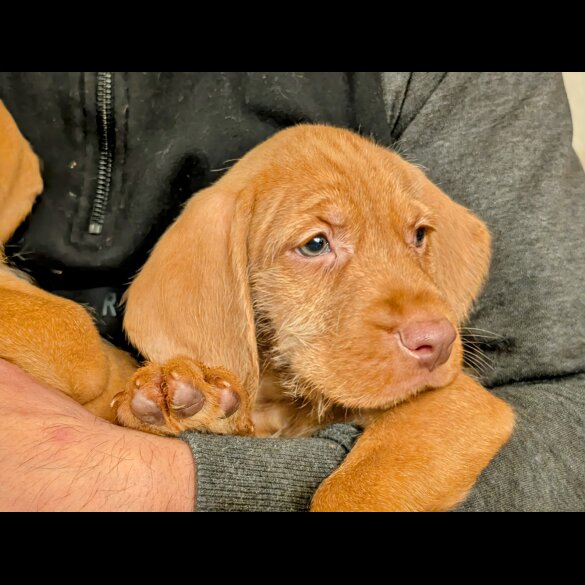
327 277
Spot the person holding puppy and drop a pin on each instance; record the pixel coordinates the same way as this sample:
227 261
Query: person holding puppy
452 109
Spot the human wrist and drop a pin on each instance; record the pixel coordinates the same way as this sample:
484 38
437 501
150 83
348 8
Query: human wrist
148 473
97 466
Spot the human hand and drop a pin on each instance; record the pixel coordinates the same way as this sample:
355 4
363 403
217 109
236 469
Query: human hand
56 456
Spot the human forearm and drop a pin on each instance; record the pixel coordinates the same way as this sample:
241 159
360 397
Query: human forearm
69 469
54 455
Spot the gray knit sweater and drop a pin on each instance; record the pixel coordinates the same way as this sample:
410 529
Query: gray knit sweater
501 145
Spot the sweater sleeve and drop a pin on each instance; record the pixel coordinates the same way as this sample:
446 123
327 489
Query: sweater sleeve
248 474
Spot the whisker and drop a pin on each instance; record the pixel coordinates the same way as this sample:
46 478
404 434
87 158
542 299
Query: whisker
472 373
482 369
492 333
479 368
475 349
474 337
480 359
481 365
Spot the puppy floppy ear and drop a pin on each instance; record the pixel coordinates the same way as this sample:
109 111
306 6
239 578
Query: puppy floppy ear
460 250
192 296
20 176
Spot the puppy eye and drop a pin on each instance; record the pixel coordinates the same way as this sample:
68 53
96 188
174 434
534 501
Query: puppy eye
419 236
316 246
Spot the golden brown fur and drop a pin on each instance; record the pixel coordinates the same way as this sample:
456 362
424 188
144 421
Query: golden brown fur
227 305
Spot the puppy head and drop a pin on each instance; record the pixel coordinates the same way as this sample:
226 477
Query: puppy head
352 265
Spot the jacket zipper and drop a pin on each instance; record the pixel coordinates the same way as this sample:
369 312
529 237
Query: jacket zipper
105 125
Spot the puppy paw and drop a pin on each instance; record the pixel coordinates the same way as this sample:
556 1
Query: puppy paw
183 394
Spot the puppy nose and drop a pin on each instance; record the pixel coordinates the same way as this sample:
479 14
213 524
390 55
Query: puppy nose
430 341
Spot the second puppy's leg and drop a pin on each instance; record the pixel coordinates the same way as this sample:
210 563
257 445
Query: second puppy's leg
56 341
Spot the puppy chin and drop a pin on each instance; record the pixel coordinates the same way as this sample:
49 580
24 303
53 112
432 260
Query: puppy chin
393 393
397 392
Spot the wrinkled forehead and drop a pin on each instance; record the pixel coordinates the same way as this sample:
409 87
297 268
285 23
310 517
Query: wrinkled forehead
351 183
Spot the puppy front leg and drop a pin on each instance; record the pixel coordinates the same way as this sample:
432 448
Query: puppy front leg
423 455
